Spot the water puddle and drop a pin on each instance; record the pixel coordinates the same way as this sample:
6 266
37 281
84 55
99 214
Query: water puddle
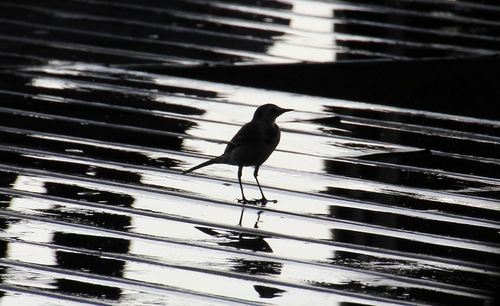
376 204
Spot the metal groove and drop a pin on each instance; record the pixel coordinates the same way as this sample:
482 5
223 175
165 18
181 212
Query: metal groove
120 281
388 196
372 206
424 283
261 232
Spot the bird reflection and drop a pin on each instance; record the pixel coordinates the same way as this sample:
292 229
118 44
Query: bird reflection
256 224
266 292
238 240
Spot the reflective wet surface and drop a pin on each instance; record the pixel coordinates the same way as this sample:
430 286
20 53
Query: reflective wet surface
377 204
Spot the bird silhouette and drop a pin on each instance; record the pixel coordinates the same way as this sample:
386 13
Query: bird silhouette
251 146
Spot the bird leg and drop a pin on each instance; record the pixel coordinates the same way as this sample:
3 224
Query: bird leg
262 201
241 215
243 199
256 225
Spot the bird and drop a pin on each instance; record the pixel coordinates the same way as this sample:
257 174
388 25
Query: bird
251 146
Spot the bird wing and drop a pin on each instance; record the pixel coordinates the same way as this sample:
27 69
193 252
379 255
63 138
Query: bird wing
247 135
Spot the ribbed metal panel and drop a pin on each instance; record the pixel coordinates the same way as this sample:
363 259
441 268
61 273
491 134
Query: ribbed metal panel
377 204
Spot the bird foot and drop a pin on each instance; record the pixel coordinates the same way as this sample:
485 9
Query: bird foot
256 225
262 201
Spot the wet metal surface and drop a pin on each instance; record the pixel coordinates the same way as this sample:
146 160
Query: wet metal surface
377 205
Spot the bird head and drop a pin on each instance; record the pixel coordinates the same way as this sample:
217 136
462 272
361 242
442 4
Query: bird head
269 113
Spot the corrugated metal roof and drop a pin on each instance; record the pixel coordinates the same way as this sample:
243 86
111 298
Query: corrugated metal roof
377 204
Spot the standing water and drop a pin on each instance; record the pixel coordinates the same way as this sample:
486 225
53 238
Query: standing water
104 103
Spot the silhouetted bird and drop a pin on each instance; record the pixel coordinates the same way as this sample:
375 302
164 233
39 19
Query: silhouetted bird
252 145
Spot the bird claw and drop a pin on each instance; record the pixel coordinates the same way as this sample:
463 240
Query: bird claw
262 201
243 201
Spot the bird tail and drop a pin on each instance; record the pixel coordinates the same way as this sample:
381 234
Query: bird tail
215 160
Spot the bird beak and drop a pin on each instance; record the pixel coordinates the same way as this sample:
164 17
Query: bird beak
284 110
